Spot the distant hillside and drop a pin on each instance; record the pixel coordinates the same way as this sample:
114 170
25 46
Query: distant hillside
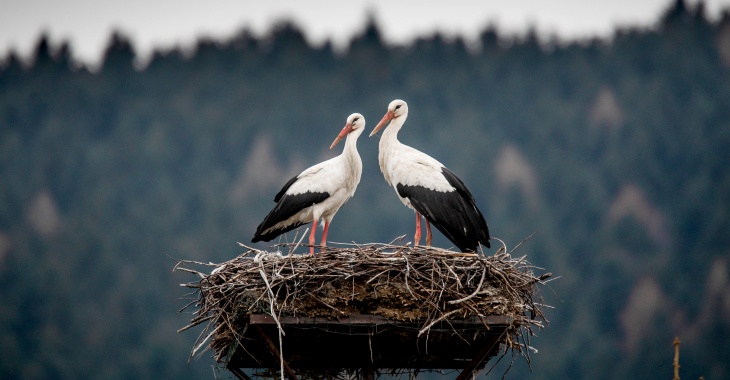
613 151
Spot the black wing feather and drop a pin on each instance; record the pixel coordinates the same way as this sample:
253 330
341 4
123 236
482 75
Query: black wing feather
287 206
454 213
286 187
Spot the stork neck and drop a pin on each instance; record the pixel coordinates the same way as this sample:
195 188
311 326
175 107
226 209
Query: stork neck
352 160
350 149
390 135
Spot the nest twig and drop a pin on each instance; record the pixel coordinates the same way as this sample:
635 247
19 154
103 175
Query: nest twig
401 283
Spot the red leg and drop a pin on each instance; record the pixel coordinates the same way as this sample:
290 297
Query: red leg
311 237
428 233
324 234
417 237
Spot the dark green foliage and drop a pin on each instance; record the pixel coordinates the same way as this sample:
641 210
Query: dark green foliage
615 152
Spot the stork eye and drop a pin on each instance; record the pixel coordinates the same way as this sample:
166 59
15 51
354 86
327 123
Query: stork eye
398 106
356 119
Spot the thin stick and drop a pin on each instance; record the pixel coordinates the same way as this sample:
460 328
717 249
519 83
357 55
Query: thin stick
676 358
300 241
441 318
479 287
272 301
286 369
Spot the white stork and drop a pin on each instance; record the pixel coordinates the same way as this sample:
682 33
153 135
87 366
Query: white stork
428 187
318 192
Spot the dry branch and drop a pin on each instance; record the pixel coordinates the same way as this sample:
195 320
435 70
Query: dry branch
401 283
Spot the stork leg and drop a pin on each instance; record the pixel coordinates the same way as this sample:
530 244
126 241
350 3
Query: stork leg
311 237
324 234
428 233
417 236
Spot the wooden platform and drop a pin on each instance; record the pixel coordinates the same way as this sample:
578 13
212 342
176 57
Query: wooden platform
367 342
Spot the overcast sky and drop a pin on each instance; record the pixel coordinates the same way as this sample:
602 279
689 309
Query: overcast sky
87 24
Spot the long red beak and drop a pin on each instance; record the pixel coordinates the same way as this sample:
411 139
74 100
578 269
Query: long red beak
346 130
388 117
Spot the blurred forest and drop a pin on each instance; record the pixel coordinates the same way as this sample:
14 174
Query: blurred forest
615 152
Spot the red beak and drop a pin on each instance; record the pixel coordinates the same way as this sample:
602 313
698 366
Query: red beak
345 131
388 117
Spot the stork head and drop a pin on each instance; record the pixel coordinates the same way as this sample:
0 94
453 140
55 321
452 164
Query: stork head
396 109
355 122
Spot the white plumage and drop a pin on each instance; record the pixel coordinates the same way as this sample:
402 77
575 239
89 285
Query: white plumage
428 187
317 193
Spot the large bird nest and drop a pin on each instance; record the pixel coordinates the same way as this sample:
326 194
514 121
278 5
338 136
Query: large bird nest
402 283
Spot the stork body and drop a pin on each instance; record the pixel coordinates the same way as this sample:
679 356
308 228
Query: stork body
428 187
317 193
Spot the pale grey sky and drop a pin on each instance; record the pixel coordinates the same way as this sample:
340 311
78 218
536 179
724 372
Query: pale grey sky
87 24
